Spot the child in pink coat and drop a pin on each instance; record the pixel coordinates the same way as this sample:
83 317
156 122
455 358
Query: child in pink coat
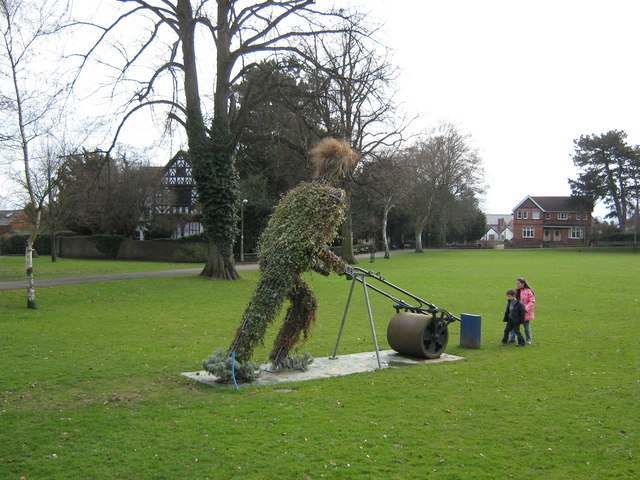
525 294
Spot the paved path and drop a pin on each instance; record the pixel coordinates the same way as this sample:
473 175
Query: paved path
61 282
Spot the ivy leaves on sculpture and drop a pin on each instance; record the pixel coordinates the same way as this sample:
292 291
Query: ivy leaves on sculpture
296 239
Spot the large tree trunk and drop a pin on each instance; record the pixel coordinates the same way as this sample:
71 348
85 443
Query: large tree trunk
418 233
616 196
211 154
347 238
54 247
385 238
218 266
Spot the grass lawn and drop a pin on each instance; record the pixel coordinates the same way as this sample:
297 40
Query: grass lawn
13 268
90 385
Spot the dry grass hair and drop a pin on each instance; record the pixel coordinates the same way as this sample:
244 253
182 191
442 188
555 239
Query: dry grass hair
332 159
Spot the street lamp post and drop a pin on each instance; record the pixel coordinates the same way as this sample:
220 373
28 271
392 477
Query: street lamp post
242 229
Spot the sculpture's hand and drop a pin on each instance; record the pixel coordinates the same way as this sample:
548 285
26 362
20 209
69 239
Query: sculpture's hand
348 272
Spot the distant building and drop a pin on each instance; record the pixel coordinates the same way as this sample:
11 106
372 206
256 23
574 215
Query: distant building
177 201
552 222
15 222
499 230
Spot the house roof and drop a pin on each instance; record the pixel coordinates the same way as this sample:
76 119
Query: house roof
180 155
7 216
492 218
559 204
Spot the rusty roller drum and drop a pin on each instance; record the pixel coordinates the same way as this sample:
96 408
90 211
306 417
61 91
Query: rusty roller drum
417 335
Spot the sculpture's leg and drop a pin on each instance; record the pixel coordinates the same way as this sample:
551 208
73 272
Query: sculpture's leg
262 309
300 316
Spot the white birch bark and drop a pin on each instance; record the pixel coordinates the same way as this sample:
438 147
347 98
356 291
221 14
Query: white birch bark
31 292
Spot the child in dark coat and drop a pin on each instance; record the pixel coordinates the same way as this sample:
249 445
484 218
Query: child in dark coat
514 316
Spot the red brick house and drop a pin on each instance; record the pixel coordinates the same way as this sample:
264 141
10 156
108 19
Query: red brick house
552 222
14 222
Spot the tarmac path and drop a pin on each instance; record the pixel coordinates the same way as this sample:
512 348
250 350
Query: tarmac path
81 280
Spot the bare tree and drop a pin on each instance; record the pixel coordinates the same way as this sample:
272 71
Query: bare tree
445 166
384 182
105 195
242 33
30 107
355 97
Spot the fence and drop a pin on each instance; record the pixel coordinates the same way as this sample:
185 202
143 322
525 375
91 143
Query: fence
153 250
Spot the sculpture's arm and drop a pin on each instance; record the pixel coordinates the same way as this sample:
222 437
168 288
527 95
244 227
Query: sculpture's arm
334 263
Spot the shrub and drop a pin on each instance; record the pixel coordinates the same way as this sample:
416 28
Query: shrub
617 237
107 244
15 244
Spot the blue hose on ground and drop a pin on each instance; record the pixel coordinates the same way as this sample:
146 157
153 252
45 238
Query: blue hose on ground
233 369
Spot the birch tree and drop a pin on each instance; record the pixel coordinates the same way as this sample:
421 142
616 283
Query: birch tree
30 97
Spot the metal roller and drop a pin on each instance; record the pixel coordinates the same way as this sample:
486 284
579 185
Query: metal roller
418 335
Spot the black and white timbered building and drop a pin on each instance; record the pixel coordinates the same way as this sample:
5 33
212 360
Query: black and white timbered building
177 201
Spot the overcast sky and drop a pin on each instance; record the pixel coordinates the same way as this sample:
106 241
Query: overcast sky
523 78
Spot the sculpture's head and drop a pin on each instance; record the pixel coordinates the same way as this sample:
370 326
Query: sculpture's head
332 159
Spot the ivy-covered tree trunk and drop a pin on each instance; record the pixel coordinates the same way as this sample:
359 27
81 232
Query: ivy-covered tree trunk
219 265
219 211
217 185
212 159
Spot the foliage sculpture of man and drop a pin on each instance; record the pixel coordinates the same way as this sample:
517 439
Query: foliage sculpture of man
295 240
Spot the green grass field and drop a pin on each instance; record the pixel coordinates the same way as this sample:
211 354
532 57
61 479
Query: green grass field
90 385
13 268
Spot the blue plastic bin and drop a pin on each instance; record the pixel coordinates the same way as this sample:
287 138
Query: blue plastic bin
470 327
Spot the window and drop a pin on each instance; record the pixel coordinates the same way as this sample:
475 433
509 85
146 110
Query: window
519 214
585 216
576 232
535 214
563 216
193 228
547 216
528 232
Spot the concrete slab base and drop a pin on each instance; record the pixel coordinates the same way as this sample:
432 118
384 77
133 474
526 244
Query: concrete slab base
324 367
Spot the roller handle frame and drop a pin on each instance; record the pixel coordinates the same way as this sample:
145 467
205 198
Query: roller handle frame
399 305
